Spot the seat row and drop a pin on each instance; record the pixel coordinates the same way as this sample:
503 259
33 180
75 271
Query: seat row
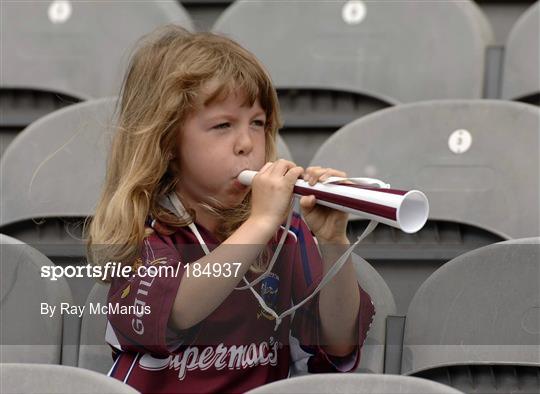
471 325
331 62
364 47
476 160
39 378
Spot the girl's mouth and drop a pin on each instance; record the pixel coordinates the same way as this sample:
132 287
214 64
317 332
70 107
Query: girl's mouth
238 186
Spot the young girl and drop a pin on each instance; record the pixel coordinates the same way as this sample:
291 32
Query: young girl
196 110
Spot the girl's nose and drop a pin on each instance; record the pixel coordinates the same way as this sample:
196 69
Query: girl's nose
244 141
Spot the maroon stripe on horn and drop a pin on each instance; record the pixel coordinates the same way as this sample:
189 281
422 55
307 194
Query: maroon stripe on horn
360 205
376 189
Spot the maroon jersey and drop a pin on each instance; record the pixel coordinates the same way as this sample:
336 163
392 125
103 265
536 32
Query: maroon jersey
236 348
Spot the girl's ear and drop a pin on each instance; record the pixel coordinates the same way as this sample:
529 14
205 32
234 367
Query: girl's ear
171 159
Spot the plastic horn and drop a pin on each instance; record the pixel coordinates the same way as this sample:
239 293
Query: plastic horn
406 210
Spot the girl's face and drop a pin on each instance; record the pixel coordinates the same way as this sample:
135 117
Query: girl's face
216 143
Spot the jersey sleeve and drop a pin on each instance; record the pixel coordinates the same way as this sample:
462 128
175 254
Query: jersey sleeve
306 351
140 305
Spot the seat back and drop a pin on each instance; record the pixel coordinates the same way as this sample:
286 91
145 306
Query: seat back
77 48
521 79
30 333
353 383
61 379
373 350
481 308
476 160
94 353
393 52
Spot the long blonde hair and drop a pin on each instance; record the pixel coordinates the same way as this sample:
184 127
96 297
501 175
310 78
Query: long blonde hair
161 88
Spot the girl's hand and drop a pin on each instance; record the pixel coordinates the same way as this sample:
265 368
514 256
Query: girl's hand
272 191
328 225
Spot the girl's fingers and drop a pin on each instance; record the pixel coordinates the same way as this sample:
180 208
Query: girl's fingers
281 167
265 167
294 173
310 172
307 202
330 173
318 174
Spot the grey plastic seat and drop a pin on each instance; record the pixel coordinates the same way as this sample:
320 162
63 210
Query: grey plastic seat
20 107
52 177
27 335
94 353
353 383
58 53
482 182
477 160
54 169
283 150
398 51
77 48
474 323
57 379
521 77
373 350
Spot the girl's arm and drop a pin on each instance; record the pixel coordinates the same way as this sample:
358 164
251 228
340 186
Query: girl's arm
197 297
339 300
271 195
339 325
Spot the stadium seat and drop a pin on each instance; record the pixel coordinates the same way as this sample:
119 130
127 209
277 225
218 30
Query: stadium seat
521 75
57 379
372 48
353 383
283 150
204 13
94 353
474 323
20 107
476 160
57 53
335 61
372 356
77 48
52 177
373 349
27 336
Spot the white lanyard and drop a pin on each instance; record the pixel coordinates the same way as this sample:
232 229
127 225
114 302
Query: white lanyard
179 210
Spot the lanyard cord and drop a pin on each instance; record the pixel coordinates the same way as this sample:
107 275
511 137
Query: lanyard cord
274 258
175 201
173 198
329 275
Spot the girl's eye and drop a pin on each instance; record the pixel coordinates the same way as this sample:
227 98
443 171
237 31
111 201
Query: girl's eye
222 126
259 123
